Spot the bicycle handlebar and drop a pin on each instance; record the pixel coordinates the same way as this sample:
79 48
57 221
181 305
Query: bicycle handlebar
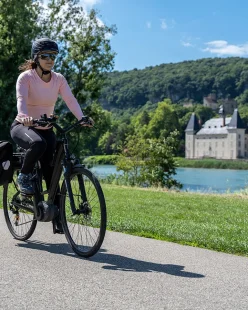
44 120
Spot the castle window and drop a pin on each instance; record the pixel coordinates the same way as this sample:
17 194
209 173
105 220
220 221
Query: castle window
239 136
239 144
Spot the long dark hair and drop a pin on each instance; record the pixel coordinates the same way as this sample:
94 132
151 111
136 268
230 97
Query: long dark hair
28 65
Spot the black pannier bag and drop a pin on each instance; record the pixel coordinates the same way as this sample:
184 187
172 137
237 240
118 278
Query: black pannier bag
6 169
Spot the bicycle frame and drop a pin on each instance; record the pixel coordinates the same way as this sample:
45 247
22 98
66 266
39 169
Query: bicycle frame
63 163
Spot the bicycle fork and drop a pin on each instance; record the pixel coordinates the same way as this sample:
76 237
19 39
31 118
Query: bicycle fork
67 173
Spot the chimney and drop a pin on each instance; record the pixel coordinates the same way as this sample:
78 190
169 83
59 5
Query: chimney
222 112
224 120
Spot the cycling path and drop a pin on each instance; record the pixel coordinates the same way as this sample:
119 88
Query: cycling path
128 273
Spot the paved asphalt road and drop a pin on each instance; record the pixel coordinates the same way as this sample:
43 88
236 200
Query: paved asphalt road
128 273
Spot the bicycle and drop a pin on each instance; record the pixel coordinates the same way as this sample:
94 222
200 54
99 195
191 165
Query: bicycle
82 208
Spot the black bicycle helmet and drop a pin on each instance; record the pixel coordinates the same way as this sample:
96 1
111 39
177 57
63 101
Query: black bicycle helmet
41 45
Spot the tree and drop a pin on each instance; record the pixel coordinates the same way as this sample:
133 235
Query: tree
144 118
243 111
150 161
160 165
85 51
243 98
87 141
132 159
163 121
19 24
85 57
204 113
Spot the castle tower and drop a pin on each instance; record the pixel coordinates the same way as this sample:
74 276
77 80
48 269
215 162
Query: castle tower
190 131
236 136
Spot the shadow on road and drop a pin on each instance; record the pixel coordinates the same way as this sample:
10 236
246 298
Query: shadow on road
113 261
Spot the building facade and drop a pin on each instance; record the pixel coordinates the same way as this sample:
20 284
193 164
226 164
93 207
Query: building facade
221 138
228 104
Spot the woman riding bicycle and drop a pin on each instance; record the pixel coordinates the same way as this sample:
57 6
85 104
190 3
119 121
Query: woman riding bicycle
37 90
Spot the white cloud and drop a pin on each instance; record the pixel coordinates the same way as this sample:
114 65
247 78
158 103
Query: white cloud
188 41
163 24
221 47
186 44
148 25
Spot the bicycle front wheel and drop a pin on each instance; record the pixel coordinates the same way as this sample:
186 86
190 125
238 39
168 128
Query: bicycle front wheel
18 211
86 229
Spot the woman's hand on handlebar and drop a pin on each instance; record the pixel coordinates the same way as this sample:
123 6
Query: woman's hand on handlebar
88 123
27 121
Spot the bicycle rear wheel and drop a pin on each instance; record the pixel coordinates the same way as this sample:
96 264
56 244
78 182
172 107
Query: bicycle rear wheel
18 211
85 230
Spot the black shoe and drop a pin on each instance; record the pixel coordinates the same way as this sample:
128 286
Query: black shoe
57 226
24 184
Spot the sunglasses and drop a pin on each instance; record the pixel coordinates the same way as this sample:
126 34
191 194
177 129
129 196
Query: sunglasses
48 56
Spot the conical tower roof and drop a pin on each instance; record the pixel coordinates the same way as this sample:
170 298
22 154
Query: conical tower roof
193 124
236 121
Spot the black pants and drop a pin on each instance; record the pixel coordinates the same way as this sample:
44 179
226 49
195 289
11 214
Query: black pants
40 145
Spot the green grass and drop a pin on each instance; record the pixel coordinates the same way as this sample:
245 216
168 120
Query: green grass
101 160
217 222
239 164
211 221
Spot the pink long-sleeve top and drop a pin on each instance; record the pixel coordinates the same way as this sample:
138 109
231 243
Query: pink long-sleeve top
36 97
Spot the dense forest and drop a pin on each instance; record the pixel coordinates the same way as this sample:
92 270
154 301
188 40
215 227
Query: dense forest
188 80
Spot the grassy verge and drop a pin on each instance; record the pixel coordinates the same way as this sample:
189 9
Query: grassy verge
217 222
101 160
239 164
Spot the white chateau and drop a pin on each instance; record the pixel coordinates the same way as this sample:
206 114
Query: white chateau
221 138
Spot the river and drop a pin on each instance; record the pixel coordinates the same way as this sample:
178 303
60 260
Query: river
198 179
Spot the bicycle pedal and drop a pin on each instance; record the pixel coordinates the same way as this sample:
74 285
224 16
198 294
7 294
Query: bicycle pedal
56 230
26 195
60 232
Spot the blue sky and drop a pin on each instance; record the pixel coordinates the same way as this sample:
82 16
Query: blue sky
152 32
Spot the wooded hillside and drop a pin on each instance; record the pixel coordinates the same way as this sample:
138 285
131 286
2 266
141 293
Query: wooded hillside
227 77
